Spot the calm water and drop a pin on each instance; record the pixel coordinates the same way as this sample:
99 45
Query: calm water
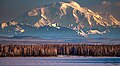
60 61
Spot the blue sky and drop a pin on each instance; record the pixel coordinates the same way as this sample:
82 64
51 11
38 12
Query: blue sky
10 9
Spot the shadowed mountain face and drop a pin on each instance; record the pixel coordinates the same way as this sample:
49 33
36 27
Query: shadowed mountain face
60 20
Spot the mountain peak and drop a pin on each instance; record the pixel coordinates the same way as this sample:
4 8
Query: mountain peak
60 11
66 14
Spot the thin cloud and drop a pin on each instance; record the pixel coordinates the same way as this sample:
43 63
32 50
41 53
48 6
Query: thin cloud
106 2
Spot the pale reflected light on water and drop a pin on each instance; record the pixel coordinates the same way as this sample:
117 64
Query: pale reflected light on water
60 61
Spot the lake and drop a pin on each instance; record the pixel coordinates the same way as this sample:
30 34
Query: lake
60 61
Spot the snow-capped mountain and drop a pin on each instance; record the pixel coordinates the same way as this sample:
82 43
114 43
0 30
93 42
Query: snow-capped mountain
61 19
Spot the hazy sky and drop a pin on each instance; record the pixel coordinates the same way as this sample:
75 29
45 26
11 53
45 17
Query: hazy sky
10 9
